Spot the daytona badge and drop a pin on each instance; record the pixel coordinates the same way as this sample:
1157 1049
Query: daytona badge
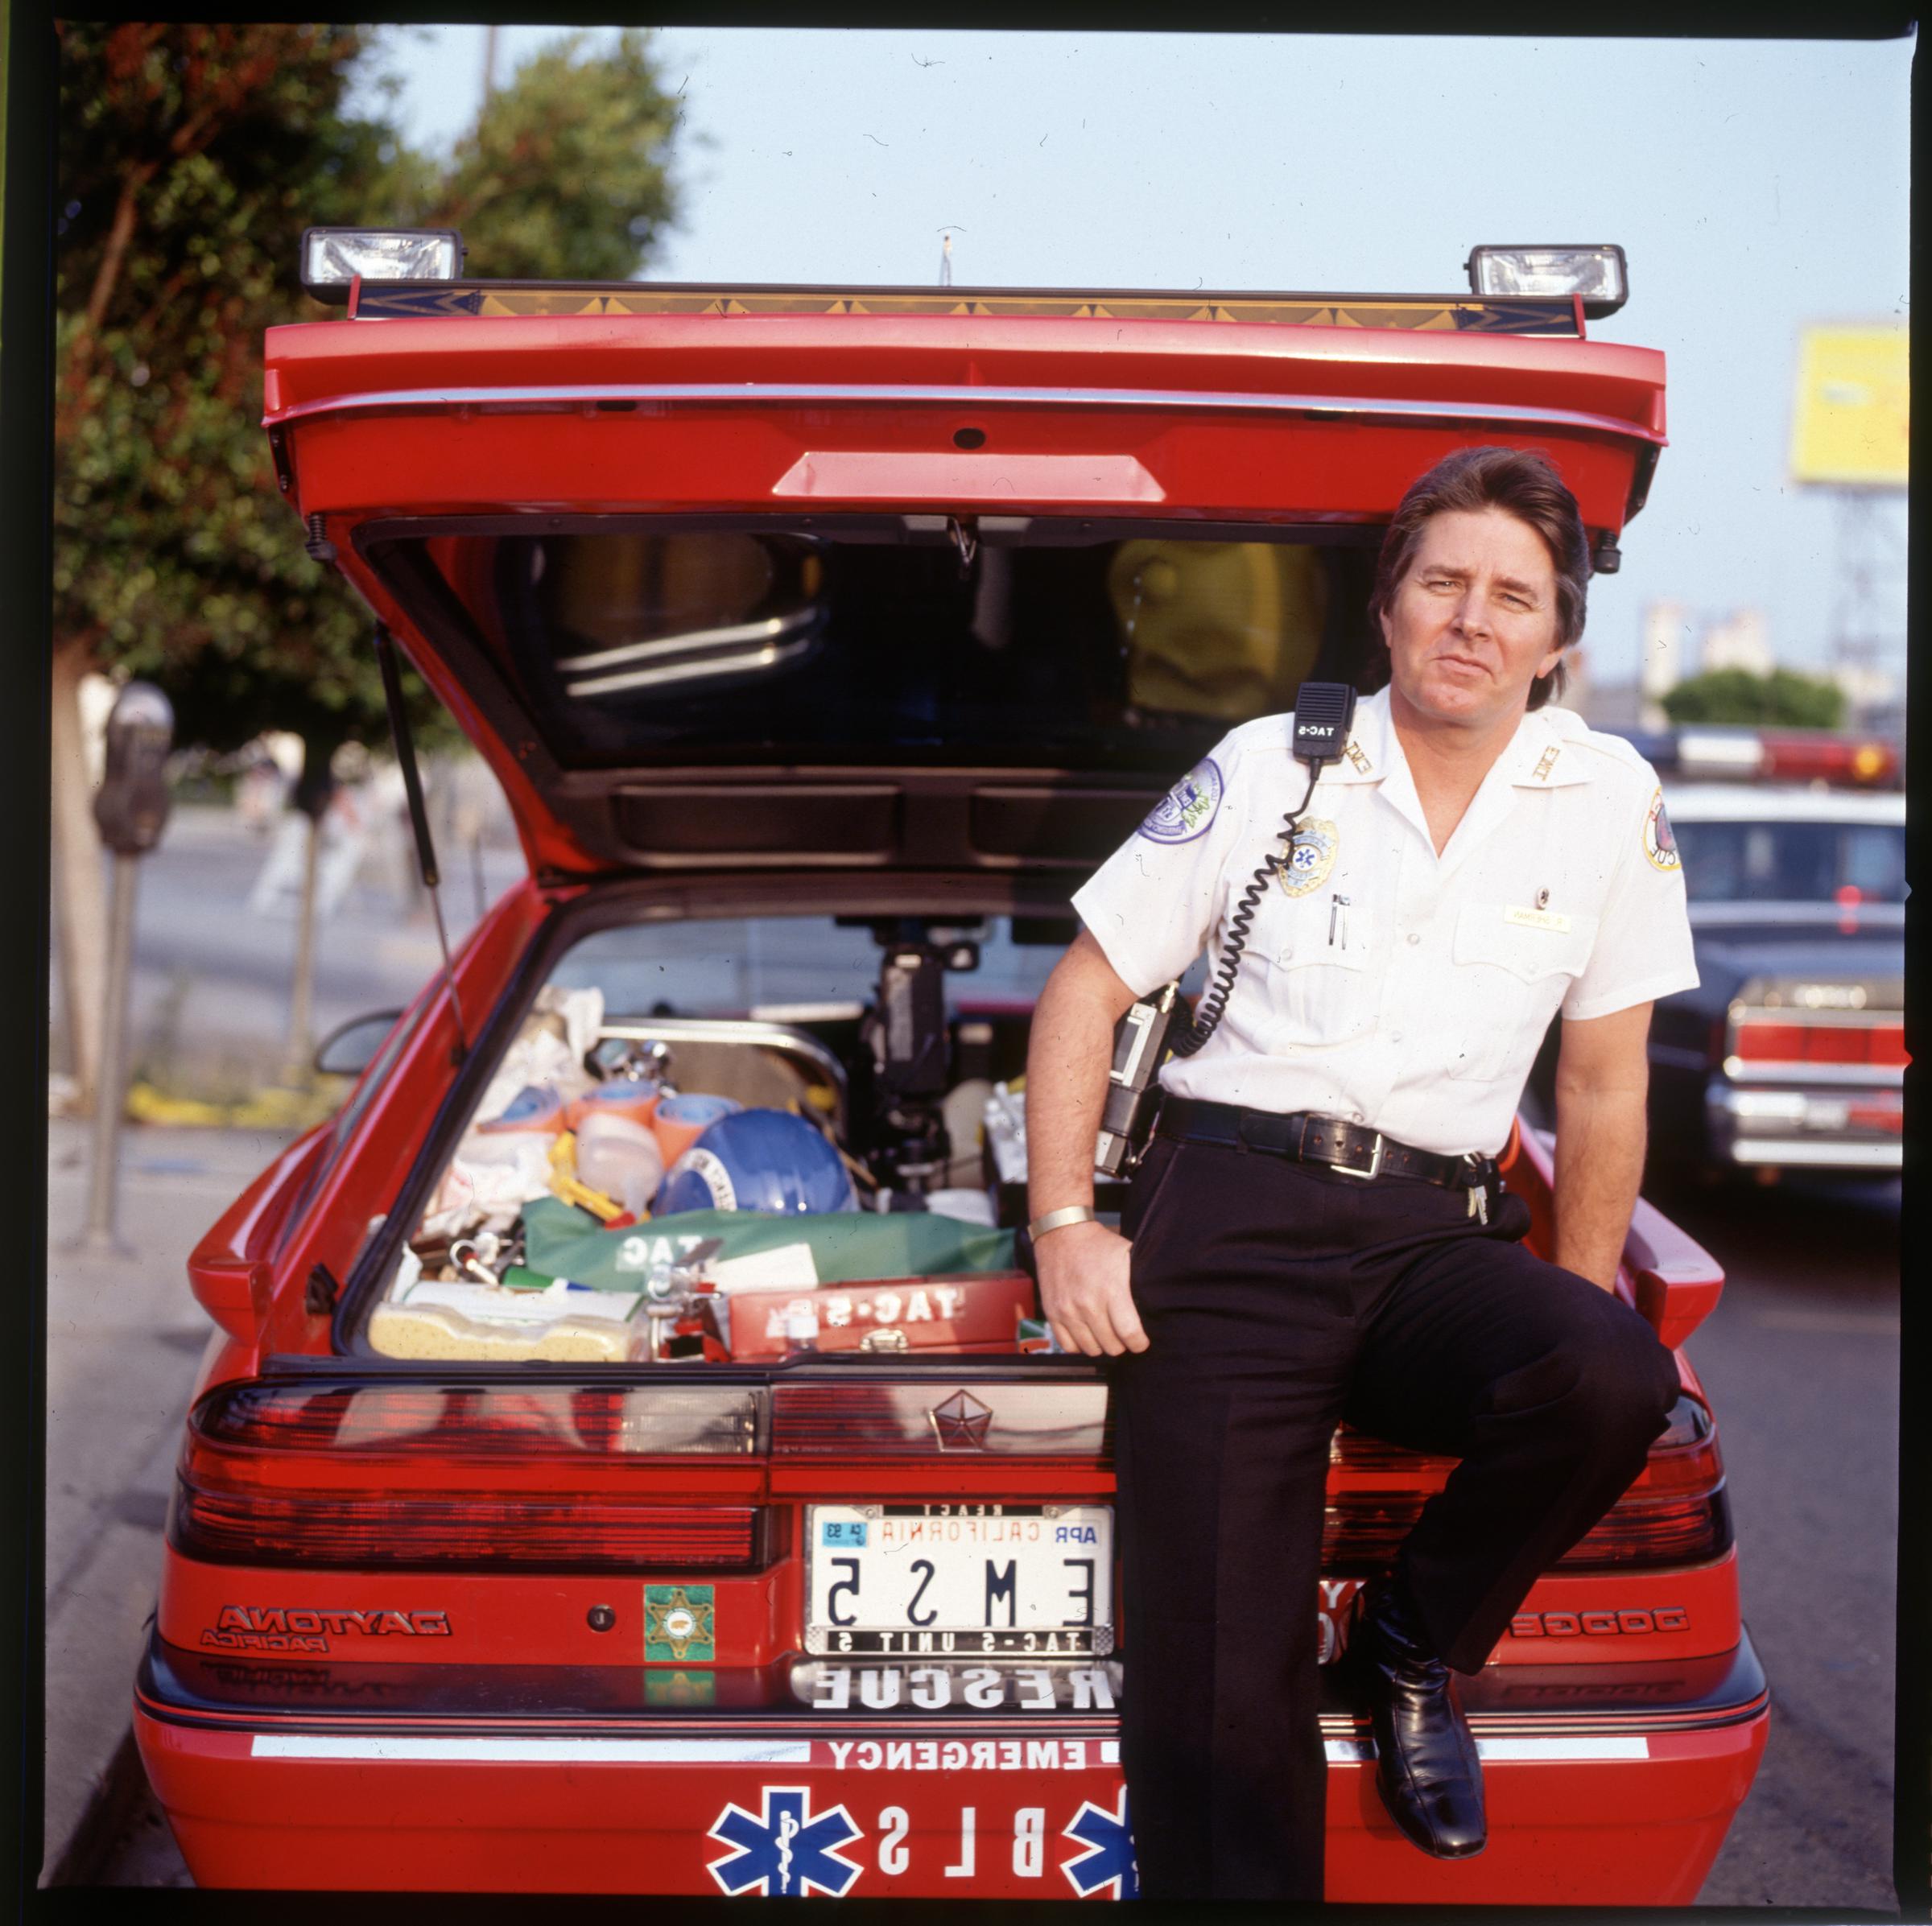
1188 808
1312 854
1660 845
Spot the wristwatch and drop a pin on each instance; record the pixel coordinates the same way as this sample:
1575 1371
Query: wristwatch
1058 1220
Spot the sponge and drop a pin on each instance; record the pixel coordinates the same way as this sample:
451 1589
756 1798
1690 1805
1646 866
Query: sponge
434 1331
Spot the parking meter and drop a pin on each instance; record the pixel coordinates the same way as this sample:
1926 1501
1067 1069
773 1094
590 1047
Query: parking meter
131 809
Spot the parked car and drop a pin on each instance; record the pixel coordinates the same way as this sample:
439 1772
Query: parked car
823 640
1790 1053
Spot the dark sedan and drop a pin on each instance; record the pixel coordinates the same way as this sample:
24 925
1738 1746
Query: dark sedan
1790 1053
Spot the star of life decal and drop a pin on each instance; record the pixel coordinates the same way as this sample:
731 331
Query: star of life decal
1107 1865
786 1852
1188 808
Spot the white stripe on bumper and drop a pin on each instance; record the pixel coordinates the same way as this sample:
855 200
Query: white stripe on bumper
507 1751
731 1751
1556 1751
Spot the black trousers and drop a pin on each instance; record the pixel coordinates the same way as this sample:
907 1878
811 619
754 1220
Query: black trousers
1279 1297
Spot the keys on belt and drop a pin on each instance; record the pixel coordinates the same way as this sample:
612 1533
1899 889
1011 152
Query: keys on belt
1304 1137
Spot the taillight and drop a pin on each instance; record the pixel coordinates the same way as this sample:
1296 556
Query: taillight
1756 1040
403 1422
571 1477
229 1527
1052 1418
1675 1513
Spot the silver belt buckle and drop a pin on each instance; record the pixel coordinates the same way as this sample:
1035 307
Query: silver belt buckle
1374 1162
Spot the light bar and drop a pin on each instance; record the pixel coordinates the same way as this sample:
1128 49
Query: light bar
1719 752
333 258
1815 756
1600 274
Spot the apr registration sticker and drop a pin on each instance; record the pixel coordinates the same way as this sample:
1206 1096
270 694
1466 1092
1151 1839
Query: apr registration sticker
1660 845
1188 808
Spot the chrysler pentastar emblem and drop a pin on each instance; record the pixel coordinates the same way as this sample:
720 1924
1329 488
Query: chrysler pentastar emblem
959 1423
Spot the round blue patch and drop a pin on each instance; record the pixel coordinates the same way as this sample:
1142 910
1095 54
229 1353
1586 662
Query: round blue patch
1188 809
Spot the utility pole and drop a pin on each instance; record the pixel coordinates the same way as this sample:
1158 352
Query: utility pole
946 262
489 60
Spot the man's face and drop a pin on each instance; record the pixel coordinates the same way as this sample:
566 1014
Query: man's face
1473 622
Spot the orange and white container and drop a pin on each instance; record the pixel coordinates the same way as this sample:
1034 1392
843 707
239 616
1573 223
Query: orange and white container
680 1121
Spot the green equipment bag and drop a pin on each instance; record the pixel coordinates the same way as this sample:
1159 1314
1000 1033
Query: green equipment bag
848 1246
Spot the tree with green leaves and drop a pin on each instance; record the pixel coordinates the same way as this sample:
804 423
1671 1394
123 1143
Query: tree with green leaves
563 178
192 156
1784 698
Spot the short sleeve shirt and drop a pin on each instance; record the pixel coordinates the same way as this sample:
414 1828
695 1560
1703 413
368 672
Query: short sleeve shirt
1381 982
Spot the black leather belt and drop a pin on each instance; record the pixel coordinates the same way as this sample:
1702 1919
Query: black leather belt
1305 1138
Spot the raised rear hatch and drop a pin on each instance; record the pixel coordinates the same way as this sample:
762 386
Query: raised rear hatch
868 578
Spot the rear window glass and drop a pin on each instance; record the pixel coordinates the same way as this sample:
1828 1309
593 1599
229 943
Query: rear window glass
776 966
1793 862
904 636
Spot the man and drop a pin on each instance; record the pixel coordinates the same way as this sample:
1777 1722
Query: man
1318 1232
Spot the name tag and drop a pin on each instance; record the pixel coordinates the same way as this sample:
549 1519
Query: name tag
1538 919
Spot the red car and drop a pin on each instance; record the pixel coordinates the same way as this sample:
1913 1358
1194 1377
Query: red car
554 1518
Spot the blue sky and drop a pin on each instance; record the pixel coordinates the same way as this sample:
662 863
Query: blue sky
1758 186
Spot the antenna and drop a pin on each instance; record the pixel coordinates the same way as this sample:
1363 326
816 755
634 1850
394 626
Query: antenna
946 262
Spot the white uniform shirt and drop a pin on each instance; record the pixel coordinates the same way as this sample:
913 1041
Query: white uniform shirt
1381 982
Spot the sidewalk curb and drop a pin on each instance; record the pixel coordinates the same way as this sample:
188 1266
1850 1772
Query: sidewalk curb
116 1794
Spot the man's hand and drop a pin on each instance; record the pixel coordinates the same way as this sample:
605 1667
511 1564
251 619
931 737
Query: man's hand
1602 1075
1084 1290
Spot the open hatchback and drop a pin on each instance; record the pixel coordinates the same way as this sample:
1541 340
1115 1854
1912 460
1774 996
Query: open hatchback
634 1463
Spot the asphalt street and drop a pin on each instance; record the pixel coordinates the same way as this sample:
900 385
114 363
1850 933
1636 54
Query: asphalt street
1801 1360
209 996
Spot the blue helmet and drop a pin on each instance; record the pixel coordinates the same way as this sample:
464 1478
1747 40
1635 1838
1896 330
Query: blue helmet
757 1160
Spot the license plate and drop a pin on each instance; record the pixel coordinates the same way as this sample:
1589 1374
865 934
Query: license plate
967 1581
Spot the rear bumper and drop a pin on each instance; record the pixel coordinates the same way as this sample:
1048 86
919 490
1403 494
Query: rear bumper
1606 1785
1801 1128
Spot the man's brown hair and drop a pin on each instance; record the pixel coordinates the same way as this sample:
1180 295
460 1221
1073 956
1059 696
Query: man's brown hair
1519 482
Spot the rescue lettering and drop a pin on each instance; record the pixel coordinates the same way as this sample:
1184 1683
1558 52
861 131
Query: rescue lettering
938 1688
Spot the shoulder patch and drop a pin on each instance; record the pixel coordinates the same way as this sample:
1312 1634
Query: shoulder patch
1660 845
1188 808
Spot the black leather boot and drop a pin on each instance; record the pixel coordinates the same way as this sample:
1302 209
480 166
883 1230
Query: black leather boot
1426 1769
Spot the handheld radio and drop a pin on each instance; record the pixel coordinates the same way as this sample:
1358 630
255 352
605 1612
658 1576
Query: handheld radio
1158 1026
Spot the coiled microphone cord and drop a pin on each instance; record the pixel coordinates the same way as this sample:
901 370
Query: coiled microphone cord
1185 1042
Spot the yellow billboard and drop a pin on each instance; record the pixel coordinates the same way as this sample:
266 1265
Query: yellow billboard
1853 417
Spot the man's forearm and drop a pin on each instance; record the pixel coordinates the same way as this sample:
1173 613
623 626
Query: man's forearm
1068 1056
1599 1165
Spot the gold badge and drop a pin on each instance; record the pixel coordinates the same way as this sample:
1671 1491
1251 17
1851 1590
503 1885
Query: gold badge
1312 854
